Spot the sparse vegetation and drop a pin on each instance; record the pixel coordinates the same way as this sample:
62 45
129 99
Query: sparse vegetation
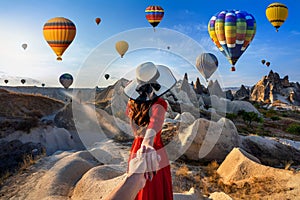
275 118
27 124
294 129
250 117
231 116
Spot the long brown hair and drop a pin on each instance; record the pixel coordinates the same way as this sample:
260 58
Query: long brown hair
139 115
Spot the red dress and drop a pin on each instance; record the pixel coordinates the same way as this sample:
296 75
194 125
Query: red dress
160 188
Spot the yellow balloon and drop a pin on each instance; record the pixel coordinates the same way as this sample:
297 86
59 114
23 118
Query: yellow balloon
122 47
276 14
59 33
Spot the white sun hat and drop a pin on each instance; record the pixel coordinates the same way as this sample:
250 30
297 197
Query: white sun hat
150 73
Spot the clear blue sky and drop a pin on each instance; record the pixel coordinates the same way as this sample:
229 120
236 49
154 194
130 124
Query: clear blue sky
22 22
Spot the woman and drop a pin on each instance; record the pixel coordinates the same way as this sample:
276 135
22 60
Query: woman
146 110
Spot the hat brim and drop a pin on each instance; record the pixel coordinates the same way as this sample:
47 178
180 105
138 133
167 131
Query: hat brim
166 81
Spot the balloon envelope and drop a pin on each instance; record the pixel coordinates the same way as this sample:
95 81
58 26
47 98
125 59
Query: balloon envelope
154 15
268 64
6 81
24 46
263 61
97 20
106 76
59 33
122 47
232 32
207 64
66 80
23 81
276 14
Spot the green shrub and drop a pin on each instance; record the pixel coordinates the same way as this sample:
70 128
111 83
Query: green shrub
250 117
294 128
270 113
231 116
275 118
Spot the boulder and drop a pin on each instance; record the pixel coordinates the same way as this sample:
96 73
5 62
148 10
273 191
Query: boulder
204 140
270 152
185 117
192 194
97 183
241 168
61 178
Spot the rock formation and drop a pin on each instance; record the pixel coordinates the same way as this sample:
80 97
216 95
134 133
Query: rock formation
214 88
199 88
272 89
242 94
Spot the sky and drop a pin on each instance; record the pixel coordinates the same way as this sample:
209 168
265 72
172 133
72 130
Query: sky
183 28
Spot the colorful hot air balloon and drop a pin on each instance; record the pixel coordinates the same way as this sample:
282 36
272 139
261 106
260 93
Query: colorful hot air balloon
5 81
276 14
59 32
122 47
232 31
66 80
263 61
23 81
207 64
97 20
268 64
154 15
24 46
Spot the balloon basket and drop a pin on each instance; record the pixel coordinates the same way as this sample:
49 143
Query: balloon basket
232 69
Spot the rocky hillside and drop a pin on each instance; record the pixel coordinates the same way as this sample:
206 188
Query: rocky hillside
272 88
14 105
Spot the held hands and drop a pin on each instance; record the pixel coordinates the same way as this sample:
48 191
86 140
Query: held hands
146 162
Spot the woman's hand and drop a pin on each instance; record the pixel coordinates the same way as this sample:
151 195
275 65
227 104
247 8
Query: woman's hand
152 160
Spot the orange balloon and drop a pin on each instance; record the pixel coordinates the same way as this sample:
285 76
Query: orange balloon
59 33
97 20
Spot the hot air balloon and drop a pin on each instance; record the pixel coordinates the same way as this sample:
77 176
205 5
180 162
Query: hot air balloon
59 33
168 47
276 14
154 15
268 64
207 64
122 47
232 31
97 20
106 76
24 46
23 81
5 81
43 84
263 61
66 80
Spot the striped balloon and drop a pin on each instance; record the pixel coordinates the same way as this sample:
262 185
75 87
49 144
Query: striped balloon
276 14
66 80
232 31
207 64
154 15
59 33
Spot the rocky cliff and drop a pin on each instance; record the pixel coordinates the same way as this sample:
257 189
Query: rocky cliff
272 88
